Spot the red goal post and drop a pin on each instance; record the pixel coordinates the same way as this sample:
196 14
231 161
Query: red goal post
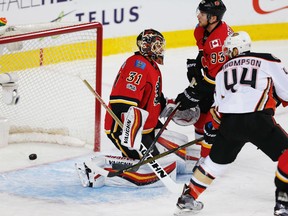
54 104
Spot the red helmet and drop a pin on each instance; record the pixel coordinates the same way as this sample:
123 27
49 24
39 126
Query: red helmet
151 43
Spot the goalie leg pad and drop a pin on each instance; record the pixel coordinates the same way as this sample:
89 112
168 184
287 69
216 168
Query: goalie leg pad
168 109
144 177
186 158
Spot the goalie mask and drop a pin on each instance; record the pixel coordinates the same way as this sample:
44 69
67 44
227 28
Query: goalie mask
151 44
237 43
212 8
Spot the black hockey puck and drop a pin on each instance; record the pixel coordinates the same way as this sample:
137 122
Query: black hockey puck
33 156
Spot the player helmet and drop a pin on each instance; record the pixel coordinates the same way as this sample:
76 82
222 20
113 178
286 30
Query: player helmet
237 43
212 8
151 43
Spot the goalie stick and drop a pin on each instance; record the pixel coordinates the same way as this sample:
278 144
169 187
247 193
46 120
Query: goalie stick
151 159
155 166
159 133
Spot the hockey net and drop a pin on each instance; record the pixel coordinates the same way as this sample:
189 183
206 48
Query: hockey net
55 105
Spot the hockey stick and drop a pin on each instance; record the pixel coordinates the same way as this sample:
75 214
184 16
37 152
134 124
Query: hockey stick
155 166
159 133
151 159
98 97
167 144
110 174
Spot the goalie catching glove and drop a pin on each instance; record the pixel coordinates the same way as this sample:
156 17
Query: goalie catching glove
181 117
187 117
168 109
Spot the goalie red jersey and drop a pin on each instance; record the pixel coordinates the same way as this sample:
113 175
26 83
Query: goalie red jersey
211 46
138 83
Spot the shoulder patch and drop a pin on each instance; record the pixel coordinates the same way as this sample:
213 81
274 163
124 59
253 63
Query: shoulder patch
140 64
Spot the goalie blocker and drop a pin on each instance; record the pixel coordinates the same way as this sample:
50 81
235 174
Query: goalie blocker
134 121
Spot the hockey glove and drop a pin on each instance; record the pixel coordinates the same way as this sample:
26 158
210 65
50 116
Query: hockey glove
210 133
188 99
193 70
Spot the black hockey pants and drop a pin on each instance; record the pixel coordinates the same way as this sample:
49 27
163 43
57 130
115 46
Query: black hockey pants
259 128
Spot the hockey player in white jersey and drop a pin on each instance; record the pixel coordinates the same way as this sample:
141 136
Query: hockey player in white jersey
248 89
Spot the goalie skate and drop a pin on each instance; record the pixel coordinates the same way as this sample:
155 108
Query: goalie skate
83 175
280 210
88 177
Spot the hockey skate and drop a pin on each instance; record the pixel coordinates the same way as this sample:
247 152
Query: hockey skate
186 204
280 210
281 207
88 177
84 174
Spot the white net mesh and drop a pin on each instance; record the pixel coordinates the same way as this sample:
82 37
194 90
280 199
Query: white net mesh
52 96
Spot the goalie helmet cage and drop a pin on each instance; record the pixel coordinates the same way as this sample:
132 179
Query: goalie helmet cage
54 104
